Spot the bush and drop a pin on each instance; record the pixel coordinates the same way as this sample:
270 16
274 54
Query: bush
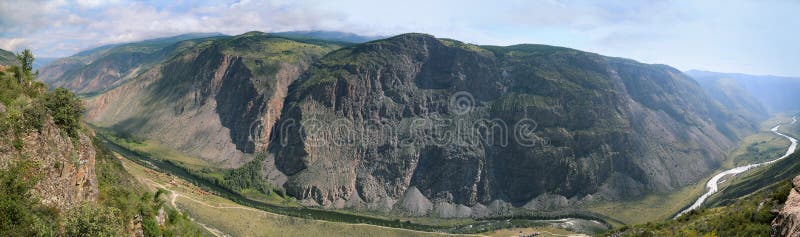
66 110
21 215
34 116
94 220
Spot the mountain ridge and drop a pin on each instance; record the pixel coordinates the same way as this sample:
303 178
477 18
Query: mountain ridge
347 83
592 115
97 70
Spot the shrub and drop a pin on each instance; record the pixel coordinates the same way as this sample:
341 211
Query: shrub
34 116
66 110
21 215
94 220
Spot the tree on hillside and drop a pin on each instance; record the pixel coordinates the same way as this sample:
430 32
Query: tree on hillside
24 73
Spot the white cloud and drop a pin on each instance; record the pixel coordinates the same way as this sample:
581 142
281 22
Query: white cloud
742 36
12 43
94 3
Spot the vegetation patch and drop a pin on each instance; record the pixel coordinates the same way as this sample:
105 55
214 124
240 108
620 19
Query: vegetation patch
751 216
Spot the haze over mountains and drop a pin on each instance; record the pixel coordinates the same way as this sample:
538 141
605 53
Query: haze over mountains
773 93
609 128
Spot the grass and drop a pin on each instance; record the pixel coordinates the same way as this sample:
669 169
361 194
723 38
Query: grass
196 166
234 219
157 149
652 207
750 216
426 224
152 147
543 231
763 145
759 147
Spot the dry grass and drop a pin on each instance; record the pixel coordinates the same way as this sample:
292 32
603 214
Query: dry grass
233 219
543 231
652 207
161 151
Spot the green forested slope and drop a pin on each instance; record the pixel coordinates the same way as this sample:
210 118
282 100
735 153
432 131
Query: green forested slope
109 201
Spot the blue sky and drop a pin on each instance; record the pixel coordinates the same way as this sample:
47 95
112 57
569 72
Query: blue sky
756 37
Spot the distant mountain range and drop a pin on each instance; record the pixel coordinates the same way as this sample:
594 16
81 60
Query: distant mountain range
774 93
328 35
105 67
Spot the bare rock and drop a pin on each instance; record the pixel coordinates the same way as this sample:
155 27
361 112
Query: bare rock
479 210
788 221
384 204
500 207
621 133
67 166
415 203
547 202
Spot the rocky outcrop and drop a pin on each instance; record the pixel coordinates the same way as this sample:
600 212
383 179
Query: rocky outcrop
416 203
787 223
65 164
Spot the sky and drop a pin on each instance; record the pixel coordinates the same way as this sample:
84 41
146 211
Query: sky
754 37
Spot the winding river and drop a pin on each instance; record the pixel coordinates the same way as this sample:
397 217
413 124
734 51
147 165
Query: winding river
713 184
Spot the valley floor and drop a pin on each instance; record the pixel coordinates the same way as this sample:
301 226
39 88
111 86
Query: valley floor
227 218
758 147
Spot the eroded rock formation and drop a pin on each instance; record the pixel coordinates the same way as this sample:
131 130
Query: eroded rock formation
787 223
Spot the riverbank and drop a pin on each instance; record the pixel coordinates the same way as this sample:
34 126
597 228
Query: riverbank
713 184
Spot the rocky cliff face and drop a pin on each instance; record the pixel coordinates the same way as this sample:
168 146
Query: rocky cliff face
66 164
787 223
209 100
381 122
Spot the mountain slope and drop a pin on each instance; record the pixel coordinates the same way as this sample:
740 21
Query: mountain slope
56 179
749 216
597 127
97 70
774 93
546 127
7 58
733 96
768 176
206 100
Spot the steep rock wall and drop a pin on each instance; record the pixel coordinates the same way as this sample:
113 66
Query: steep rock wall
599 127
